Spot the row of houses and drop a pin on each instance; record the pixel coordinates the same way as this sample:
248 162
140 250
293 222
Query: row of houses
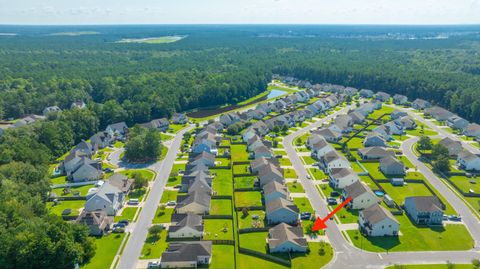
29 119
465 159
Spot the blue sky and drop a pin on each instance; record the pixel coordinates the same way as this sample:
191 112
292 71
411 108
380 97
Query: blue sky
240 11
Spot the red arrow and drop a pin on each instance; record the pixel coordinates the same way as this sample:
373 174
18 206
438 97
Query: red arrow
320 223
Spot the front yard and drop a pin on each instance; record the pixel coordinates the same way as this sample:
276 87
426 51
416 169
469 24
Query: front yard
106 249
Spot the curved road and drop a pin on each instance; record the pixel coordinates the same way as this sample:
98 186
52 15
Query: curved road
134 245
348 256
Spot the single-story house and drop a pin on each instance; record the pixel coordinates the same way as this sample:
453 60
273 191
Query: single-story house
382 96
420 104
197 202
372 153
187 254
286 238
117 130
456 122
398 114
366 93
179 118
329 134
270 173
472 129
374 139
186 226
399 99
438 113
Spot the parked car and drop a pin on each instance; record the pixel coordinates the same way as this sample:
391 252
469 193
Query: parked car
118 229
305 215
124 221
309 177
153 265
445 217
133 202
119 225
455 218
171 203
331 201
334 194
67 211
108 170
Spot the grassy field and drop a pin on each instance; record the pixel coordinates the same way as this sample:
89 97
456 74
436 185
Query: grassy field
466 184
413 238
295 187
248 221
303 204
245 182
222 257
62 205
163 215
399 193
239 153
223 182
373 170
289 173
248 198
168 195
218 229
221 207
254 241
317 173
175 128
82 190
308 160
145 173
355 143
127 214
106 249
285 162
154 246
432 266
241 169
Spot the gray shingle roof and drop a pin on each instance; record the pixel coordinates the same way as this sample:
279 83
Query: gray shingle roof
376 213
284 232
187 251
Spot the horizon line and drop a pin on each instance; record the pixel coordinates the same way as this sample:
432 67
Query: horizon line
243 24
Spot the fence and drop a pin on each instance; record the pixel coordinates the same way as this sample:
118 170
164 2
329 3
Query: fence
219 197
240 208
265 256
253 230
217 217
73 184
67 198
223 242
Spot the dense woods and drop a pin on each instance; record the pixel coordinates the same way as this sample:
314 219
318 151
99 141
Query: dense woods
212 66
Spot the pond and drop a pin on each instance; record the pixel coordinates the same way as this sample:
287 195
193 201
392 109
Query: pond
275 93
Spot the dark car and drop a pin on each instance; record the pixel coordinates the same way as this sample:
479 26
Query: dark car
305 215
455 218
108 170
334 194
67 211
124 221
331 201
119 225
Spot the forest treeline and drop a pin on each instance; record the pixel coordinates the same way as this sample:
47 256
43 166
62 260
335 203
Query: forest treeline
212 66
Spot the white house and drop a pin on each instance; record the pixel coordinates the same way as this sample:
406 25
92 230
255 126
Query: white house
362 195
342 177
468 161
186 226
378 221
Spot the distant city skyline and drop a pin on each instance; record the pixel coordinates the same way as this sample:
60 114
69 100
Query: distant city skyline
89 12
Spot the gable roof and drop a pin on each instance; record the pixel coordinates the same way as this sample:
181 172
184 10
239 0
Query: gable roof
121 181
199 197
280 203
376 213
274 186
356 189
189 220
186 251
426 203
283 232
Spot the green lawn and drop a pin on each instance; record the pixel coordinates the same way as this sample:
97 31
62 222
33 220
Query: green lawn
308 160
248 222
373 170
295 187
127 213
166 137
466 184
431 266
145 172
317 174
62 205
223 182
413 238
289 173
285 162
303 204
406 161
248 198
356 167
175 128
163 215
222 161
222 257
399 193
241 169
245 182
168 195
239 153
254 241
218 229
154 245
348 216
279 152
82 190
355 143
137 194
58 180
221 207
106 249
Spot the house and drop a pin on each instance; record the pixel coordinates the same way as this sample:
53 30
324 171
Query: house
260 127
398 114
98 222
270 173
51 109
374 139
258 164
399 99
342 177
468 161
420 104
101 140
117 130
254 143
179 118
362 195
388 129
87 170
357 117
374 153
344 123
366 93
350 91
329 134
281 210
205 142
248 134
376 104
85 147
186 226
321 148
78 105
158 124
424 209
274 190
197 202
472 129
187 254
391 166
196 181
264 107
262 151
286 238
205 158
438 113
121 182
375 220
382 96
406 122
334 160
108 198
229 119
454 147
458 123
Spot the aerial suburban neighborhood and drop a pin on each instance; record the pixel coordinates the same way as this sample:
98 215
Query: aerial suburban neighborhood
246 186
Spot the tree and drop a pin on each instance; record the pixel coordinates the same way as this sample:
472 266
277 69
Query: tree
439 151
139 180
441 164
476 263
425 143
143 145
245 212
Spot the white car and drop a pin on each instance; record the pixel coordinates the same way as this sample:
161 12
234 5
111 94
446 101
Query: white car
171 203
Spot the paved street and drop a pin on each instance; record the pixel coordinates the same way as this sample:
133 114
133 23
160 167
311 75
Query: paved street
134 245
348 256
